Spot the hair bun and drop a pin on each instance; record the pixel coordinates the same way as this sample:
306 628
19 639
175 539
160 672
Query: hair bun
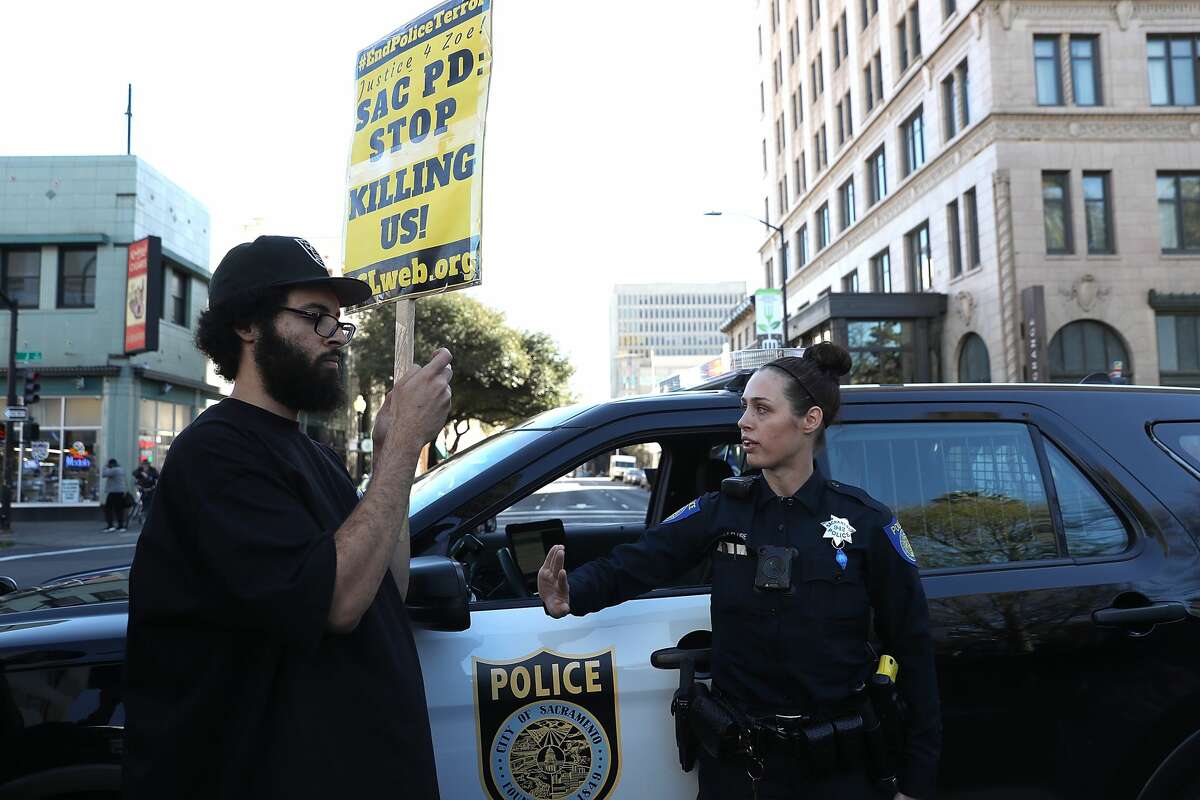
830 358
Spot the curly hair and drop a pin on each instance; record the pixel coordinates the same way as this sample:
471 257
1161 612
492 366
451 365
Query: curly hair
216 329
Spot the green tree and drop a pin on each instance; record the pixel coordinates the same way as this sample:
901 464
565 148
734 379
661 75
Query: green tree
501 375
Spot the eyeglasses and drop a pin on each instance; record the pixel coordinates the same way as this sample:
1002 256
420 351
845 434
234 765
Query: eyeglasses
325 325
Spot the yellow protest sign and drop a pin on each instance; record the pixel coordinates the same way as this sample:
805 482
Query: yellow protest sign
415 192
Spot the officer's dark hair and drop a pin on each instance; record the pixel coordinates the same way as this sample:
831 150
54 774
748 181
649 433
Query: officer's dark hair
813 381
216 330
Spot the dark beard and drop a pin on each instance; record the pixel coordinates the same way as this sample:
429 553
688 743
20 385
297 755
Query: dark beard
292 379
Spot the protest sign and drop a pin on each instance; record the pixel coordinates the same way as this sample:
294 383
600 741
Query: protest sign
415 195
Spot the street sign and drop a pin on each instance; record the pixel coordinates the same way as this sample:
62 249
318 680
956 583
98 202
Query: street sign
15 412
32 355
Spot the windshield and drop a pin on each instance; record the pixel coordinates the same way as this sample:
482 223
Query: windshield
461 467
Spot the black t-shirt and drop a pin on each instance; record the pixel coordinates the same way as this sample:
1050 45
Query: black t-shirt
235 687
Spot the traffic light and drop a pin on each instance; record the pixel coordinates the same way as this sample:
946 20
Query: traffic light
33 389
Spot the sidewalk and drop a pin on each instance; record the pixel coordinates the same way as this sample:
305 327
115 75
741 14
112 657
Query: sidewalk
41 536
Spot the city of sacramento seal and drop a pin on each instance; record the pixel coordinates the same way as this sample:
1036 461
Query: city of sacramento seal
548 726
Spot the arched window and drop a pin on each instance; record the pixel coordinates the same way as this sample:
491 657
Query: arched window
1086 346
973 363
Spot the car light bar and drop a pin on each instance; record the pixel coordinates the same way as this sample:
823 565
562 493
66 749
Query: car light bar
753 359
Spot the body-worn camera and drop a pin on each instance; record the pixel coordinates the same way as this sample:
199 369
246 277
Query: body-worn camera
774 571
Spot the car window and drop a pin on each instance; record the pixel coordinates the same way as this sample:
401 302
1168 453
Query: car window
1182 439
967 493
460 468
1091 526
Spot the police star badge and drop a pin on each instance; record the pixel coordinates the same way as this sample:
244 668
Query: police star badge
840 533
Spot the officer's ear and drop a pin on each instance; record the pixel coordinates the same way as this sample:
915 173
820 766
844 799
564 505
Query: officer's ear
812 420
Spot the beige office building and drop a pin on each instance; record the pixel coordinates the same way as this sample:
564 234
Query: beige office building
664 331
986 190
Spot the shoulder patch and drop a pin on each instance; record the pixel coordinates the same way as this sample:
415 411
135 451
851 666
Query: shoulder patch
899 540
685 512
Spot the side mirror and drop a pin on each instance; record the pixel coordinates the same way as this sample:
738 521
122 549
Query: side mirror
7 584
437 594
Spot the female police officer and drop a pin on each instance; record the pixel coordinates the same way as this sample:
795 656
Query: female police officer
799 565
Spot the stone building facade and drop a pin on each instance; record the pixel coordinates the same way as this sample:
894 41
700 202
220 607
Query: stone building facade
987 190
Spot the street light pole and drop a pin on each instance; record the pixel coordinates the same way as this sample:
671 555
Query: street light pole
782 262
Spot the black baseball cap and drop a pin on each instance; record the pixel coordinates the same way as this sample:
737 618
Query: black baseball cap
271 261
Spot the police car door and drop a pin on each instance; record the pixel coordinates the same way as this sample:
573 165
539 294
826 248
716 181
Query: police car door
524 706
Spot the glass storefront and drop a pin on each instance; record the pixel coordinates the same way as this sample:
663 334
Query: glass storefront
881 351
159 422
61 465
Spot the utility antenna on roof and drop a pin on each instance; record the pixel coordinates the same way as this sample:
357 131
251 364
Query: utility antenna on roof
129 123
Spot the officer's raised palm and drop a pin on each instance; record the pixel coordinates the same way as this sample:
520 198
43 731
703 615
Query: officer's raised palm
552 583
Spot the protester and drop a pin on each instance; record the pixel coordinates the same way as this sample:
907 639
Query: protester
269 651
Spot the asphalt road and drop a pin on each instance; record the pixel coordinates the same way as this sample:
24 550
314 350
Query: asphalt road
585 501
37 552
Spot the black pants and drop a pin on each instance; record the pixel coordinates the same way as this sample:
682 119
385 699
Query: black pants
783 779
114 509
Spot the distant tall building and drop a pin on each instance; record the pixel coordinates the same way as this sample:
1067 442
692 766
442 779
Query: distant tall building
657 330
974 190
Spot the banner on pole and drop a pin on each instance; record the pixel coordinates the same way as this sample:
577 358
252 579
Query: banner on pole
415 192
768 313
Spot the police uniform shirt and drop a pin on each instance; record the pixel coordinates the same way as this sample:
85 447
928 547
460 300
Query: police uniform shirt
803 649
235 687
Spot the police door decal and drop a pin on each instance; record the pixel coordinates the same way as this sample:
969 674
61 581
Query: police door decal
548 726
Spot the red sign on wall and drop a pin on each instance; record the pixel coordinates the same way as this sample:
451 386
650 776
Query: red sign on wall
143 295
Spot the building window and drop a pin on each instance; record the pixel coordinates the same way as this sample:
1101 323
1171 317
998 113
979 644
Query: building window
797 109
1179 211
949 7
846 201
902 41
22 273
848 112
973 363
954 239
792 44
780 133
1085 347
1046 70
876 177
1085 70
913 133
837 109
762 99
778 74
764 156
70 471
1172 64
814 13
920 259
908 36
1097 212
1056 211
77 277
802 244
878 62
868 88
881 351
770 273
956 114
1179 349
972 209
837 49
821 153
801 175
881 271
819 65
780 197
873 81
850 282
823 236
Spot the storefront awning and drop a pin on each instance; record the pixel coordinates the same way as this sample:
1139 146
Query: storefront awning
176 380
867 305
98 371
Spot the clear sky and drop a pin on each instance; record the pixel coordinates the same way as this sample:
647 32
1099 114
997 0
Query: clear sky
611 127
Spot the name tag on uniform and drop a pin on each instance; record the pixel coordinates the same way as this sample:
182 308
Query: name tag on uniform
733 543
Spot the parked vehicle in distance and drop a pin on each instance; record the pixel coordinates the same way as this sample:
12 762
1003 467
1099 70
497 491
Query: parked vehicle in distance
618 464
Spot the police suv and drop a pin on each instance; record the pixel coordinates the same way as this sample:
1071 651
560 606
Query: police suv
1057 530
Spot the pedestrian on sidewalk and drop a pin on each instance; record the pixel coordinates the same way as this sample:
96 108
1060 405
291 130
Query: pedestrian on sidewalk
115 488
